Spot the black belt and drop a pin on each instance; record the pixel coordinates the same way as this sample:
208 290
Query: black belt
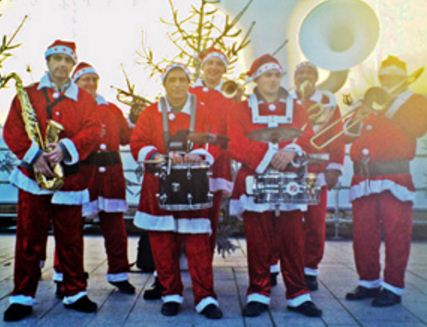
371 169
103 159
67 169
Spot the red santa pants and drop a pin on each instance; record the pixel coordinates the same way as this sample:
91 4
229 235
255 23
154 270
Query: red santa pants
114 231
214 213
34 214
315 228
165 247
371 215
288 231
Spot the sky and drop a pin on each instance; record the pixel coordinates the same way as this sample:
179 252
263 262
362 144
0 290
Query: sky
110 32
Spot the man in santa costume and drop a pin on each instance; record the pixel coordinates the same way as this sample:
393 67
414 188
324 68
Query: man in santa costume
382 191
175 114
104 173
58 98
270 106
322 109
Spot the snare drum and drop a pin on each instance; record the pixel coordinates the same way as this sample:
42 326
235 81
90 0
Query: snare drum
184 187
275 188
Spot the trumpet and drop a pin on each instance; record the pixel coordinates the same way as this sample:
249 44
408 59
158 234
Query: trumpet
136 102
230 89
375 99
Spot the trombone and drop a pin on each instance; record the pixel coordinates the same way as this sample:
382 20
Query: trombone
375 99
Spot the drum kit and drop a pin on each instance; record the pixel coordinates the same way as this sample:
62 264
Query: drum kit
185 186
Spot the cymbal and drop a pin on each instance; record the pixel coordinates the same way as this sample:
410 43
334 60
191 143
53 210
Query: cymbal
274 135
202 138
318 157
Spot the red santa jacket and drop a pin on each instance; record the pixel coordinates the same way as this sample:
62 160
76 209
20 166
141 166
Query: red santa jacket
388 138
217 116
76 113
107 185
330 114
147 139
256 156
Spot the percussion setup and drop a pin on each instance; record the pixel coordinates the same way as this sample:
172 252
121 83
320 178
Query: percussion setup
185 186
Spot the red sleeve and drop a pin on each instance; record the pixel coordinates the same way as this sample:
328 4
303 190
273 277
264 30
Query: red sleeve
141 138
124 128
412 116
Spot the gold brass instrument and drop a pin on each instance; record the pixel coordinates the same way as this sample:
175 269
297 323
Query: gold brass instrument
32 129
230 89
375 99
136 102
315 111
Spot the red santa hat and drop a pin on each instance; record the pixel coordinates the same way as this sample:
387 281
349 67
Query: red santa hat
213 53
307 64
62 47
176 66
393 66
264 64
83 68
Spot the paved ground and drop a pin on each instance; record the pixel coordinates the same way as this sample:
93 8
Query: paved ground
337 277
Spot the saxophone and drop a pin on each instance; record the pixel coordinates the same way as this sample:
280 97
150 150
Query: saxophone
32 129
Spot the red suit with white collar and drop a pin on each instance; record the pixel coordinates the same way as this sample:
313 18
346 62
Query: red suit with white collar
382 191
168 228
315 216
259 219
74 109
221 180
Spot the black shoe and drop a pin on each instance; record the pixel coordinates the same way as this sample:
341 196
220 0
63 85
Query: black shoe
254 309
308 309
311 282
155 292
124 287
360 293
386 298
83 304
59 290
273 279
170 308
17 312
212 312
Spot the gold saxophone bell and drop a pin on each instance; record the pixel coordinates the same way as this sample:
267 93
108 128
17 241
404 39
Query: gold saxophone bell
315 111
32 129
53 130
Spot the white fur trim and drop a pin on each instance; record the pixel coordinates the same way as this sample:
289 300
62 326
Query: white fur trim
256 297
398 103
396 290
236 207
275 268
104 204
84 71
311 271
368 187
370 283
218 55
74 298
23 182
22 299
220 184
320 179
297 301
173 298
72 151
119 277
335 166
204 153
142 154
172 67
268 156
31 153
246 203
70 197
265 68
170 224
57 276
61 49
205 302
